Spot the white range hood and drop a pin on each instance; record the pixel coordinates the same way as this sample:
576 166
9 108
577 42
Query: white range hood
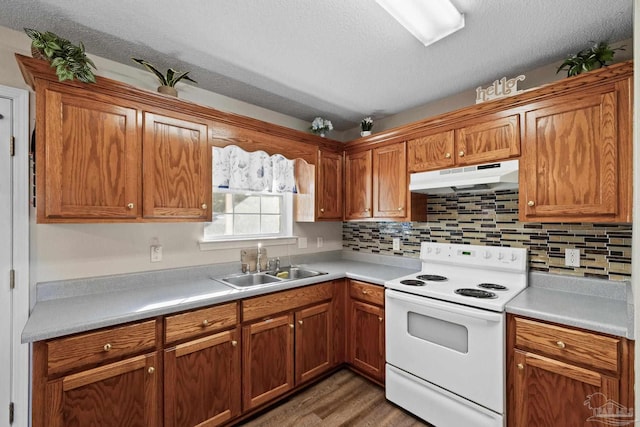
485 177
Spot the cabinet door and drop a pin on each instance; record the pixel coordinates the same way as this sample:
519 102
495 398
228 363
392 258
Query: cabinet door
177 169
314 341
366 339
91 160
488 141
202 381
121 394
572 165
357 185
390 181
431 152
267 364
329 191
552 393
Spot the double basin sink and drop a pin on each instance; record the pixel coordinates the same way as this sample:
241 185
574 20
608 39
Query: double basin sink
251 280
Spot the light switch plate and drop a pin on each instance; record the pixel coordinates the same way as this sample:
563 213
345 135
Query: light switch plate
396 243
320 242
156 253
572 257
302 243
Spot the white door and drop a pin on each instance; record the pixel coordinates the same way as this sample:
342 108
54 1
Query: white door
6 340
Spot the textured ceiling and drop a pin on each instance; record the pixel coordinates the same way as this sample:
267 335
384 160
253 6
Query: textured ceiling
342 59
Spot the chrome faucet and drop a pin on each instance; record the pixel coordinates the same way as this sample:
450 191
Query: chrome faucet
259 258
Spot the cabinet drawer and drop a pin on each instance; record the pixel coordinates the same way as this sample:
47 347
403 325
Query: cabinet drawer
589 349
260 307
198 322
65 354
366 292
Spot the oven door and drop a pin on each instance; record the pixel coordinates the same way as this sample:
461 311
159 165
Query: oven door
452 346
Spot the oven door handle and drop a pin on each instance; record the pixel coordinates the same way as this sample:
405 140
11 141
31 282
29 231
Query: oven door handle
462 310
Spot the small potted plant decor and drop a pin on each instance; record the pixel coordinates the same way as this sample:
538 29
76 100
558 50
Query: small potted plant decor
321 126
365 126
588 59
69 60
168 80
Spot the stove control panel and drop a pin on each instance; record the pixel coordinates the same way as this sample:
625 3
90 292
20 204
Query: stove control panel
490 257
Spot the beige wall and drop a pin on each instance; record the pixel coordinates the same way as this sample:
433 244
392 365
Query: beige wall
83 250
534 78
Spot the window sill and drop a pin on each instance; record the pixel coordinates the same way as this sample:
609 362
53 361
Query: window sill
212 245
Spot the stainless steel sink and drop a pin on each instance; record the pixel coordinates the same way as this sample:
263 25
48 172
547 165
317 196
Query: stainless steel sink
293 273
244 281
249 280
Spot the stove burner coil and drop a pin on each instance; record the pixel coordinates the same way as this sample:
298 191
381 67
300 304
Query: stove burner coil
492 286
412 282
476 293
432 278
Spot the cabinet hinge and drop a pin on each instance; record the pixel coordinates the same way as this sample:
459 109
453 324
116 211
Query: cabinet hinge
11 412
12 279
12 146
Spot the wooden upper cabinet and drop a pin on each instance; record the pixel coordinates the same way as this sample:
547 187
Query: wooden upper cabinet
576 160
487 141
329 185
390 181
88 154
358 182
177 168
431 152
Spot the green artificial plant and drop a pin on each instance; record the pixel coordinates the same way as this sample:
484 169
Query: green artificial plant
170 78
588 59
69 60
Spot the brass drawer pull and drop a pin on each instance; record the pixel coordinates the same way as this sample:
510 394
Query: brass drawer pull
107 347
204 206
380 319
300 322
130 206
561 344
321 209
291 325
365 292
447 156
520 366
234 343
531 203
151 369
205 323
461 154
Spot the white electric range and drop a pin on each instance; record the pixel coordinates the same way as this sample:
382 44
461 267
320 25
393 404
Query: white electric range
445 333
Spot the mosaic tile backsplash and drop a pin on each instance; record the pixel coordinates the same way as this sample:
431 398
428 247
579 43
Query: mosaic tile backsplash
492 219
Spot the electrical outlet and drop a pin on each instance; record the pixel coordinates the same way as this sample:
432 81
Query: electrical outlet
320 242
156 253
396 243
302 243
572 257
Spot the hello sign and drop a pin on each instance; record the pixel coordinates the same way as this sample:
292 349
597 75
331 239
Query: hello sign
499 89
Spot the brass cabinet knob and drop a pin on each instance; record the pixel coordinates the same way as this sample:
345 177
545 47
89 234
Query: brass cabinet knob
560 344
461 154
364 292
447 155
205 323
300 322
151 369
130 206
234 343
520 366
291 325
107 347
380 319
321 209
204 206
366 209
531 203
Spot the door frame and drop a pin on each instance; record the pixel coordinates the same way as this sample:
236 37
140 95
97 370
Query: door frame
20 251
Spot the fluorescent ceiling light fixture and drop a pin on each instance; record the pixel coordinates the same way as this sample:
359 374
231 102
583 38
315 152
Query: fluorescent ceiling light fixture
428 20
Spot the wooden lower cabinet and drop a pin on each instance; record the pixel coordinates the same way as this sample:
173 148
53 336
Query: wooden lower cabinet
267 364
314 341
365 329
562 376
202 384
120 394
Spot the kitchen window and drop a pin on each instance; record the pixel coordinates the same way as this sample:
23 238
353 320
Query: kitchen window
238 215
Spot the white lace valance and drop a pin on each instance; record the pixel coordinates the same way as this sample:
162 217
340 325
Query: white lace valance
236 169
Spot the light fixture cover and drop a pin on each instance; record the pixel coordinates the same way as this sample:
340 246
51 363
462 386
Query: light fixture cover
428 20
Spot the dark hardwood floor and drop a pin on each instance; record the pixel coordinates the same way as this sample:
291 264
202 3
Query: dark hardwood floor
343 399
